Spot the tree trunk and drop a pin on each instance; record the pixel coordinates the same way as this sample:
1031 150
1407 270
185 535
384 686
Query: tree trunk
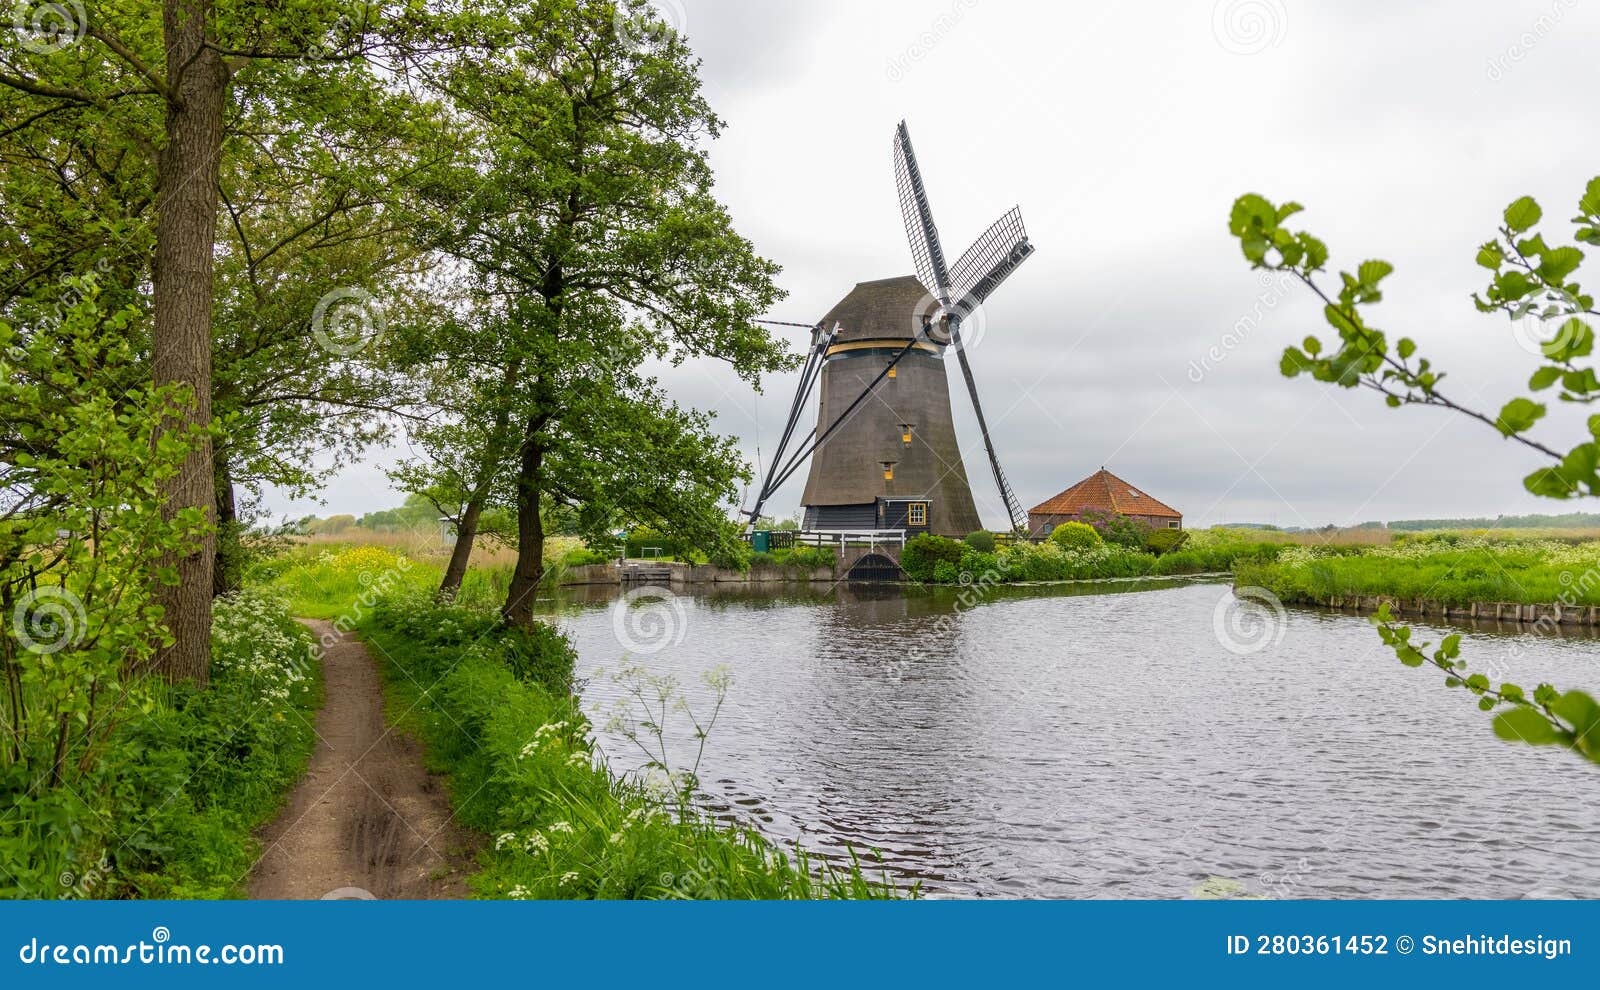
227 570
466 531
186 224
530 534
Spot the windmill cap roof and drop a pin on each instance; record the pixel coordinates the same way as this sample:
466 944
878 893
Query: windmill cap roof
1108 493
890 308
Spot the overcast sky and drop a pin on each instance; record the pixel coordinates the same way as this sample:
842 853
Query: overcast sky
1125 131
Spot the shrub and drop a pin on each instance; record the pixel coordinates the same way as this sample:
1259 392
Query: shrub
1116 528
659 544
923 553
944 572
981 566
584 556
731 555
1075 536
981 541
1161 541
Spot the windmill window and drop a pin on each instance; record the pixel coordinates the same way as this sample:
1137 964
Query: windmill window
892 370
919 514
1172 524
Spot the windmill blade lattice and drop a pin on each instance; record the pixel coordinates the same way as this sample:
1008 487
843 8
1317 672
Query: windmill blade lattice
989 261
926 249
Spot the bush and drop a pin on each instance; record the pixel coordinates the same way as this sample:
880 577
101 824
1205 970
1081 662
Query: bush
1161 541
583 557
923 553
659 544
1075 536
1116 528
945 572
981 541
731 555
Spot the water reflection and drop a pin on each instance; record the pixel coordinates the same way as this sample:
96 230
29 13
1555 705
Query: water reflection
1073 742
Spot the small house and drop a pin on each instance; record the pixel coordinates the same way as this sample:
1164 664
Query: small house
1101 492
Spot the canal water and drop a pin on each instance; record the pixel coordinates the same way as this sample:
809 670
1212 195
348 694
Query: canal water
1149 741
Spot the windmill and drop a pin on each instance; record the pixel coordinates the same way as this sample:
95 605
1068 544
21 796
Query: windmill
989 261
883 452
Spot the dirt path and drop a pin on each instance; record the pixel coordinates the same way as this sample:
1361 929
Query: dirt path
367 817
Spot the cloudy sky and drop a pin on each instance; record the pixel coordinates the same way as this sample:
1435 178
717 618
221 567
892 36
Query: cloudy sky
1125 130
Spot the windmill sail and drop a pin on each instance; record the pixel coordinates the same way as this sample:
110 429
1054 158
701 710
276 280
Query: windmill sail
989 261
926 250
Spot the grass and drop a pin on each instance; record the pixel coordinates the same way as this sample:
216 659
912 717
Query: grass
497 717
1453 570
167 810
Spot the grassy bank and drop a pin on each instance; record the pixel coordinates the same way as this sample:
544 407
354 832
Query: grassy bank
1452 570
936 560
495 711
167 807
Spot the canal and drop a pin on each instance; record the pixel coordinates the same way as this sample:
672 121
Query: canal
1151 741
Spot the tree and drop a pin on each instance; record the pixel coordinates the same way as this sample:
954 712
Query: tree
587 211
136 115
1531 280
81 469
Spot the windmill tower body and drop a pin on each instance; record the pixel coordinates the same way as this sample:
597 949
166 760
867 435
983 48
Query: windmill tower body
896 450
884 453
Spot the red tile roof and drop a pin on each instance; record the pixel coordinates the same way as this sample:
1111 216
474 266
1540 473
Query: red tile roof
1108 493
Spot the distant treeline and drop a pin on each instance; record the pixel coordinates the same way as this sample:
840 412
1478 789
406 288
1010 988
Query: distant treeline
1570 520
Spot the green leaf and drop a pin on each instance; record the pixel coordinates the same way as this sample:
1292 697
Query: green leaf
1312 346
1406 348
1574 339
1519 415
1544 378
1491 256
1590 203
1526 725
1560 262
1522 214
1372 272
